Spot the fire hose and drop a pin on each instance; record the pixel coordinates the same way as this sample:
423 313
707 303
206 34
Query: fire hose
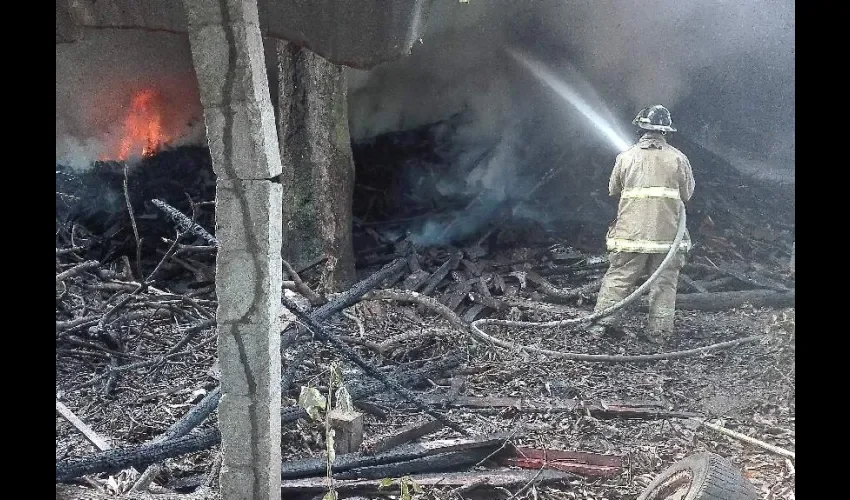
478 333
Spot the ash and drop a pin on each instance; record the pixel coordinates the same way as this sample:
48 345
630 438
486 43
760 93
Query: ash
509 251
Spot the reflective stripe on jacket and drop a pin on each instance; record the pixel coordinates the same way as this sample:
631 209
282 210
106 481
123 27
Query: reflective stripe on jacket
650 178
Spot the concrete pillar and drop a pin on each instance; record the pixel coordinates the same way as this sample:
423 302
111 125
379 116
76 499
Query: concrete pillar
67 29
792 266
228 57
318 168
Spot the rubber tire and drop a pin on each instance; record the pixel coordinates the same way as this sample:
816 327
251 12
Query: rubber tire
714 478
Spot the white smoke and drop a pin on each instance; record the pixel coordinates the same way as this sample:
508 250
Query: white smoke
703 60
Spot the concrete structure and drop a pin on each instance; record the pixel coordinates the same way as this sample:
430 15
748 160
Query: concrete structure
227 52
226 39
356 33
318 168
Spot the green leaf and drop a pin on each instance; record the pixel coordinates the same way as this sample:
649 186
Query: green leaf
312 401
405 493
331 495
385 483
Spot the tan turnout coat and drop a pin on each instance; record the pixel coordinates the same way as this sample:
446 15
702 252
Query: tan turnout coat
650 178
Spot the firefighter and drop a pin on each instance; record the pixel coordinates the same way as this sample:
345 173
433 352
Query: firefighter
649 178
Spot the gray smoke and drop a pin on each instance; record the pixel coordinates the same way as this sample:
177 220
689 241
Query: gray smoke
724 68
96 77
637 53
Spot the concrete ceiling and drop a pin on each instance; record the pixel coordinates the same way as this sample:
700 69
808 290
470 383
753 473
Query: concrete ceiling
373 31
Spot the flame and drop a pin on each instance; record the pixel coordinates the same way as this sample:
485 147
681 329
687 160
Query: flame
143 132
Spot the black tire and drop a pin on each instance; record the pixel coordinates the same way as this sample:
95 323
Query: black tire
702 476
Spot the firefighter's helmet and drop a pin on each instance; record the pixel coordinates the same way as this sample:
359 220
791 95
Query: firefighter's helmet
654 118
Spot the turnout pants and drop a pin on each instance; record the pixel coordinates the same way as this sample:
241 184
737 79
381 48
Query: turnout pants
629 270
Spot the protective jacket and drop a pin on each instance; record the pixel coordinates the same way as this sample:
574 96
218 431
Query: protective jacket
650 178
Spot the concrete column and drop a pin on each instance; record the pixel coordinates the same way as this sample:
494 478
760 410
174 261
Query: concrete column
67 29
227 52
318 168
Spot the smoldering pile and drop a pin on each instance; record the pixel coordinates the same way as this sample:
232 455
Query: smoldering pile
434 189
92 208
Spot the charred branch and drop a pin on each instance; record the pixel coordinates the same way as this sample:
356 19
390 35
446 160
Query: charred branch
468 480
343 463
149 453
352 356
718 301
405 435
453 461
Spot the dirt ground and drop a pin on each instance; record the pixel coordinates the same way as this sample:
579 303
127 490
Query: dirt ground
751 388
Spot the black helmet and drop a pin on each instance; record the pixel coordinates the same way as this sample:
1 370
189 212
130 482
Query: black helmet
654 118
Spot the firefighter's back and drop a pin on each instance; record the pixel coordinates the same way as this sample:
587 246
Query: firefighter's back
653 166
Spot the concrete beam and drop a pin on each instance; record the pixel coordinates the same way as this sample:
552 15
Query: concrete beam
248 278
67 28
150 15
227 52
356 33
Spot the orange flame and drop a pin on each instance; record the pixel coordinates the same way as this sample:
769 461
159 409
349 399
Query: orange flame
143 127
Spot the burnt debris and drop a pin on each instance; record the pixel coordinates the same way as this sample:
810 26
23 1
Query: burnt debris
124 342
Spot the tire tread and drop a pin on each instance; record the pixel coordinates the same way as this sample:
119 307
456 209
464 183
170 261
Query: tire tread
715 478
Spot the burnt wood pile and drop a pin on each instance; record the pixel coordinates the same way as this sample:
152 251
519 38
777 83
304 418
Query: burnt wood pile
742 229
92 205
413 185
122 311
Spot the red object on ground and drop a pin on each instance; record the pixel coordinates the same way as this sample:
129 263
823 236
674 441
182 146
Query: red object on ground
585 464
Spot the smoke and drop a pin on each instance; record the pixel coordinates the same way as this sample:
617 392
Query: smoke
96 78
484 184
723 65
711 63
725 69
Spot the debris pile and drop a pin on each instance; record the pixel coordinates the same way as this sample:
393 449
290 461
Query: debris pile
136 355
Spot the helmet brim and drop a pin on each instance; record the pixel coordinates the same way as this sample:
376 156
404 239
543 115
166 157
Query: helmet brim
658 128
